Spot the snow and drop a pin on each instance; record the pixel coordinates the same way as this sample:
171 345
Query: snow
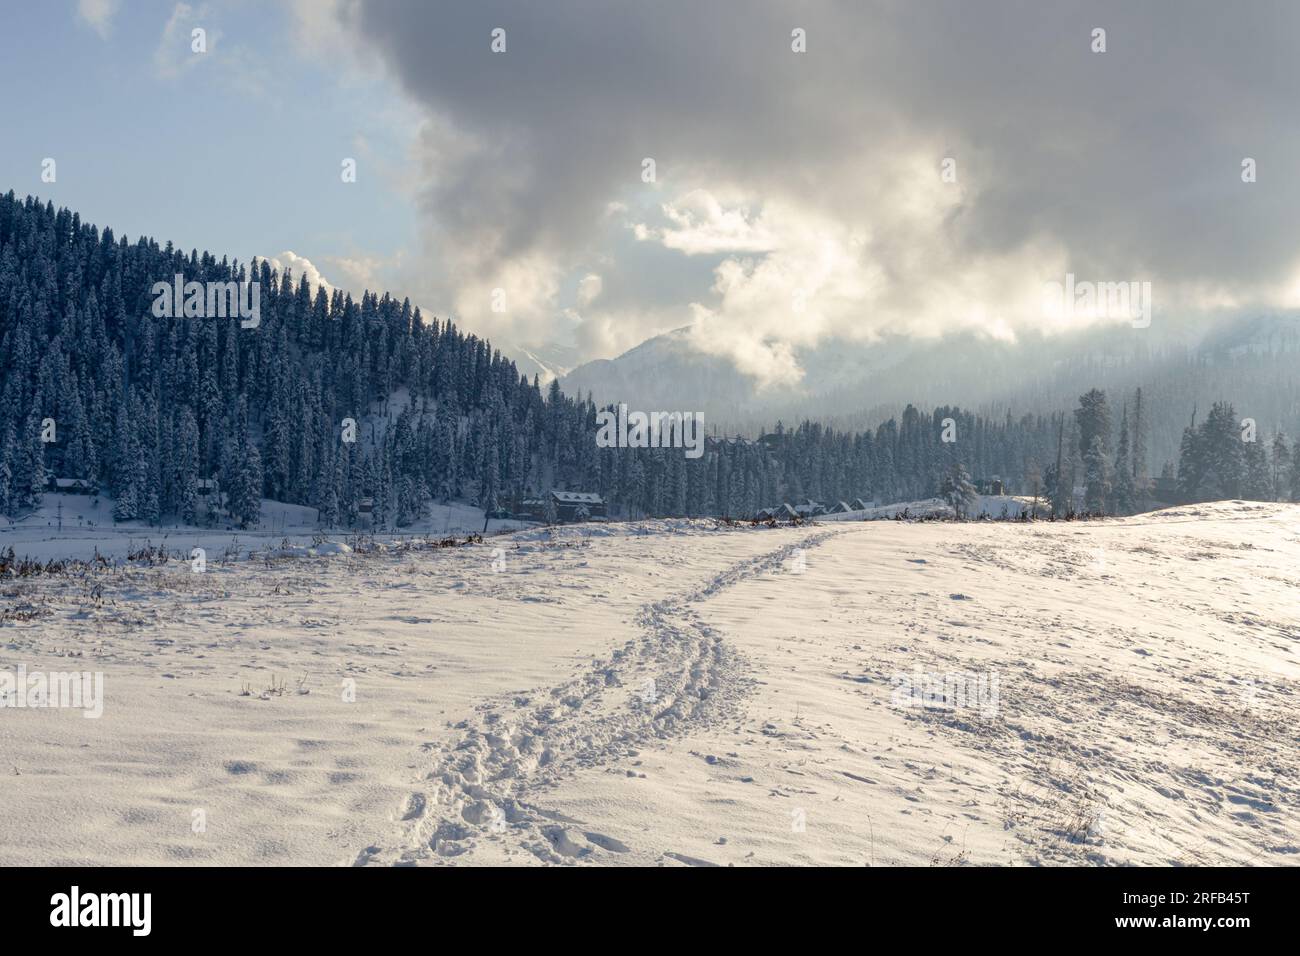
88 529
676 693
987 506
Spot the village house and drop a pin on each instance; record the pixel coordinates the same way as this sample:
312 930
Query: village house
564 506
73 486
578 505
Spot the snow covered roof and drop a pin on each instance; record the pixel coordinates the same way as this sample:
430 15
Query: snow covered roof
578 497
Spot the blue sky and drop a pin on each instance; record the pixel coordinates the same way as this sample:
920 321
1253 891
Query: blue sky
237 150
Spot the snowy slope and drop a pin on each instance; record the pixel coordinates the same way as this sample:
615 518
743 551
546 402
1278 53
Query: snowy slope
547 362
667 693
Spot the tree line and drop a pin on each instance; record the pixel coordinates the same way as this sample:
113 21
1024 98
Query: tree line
148 409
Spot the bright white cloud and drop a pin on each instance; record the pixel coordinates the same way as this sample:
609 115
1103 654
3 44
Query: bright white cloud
700 225
516 303
822 277
301 266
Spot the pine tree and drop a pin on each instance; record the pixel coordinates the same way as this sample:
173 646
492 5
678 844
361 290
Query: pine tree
1280 469
1256 482
1139 445
245 495
958 490
1096 477
1191 464
1093 419
1059 490
7 472
1091 447
1125 492
31 477
187 464
125 507
1221 446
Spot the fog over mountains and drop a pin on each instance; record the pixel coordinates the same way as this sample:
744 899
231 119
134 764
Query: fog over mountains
1183 367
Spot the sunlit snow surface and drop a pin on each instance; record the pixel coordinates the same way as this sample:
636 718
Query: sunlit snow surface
673 693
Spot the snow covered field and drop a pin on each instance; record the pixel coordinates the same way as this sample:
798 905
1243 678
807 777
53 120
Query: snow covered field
667 693
78 526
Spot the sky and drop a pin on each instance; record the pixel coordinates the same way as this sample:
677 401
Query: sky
775 175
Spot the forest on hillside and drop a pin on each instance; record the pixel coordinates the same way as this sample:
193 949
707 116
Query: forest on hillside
144 409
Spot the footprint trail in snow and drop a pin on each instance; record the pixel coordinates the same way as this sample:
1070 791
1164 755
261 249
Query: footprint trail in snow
676 677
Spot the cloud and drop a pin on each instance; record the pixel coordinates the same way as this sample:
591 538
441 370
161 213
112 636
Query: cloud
175 51
321 26
699 225
589 289
98 15
820 172
830 279
361 273
514 301
301 267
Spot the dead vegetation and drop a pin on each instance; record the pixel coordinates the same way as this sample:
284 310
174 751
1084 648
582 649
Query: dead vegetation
278 687
368 544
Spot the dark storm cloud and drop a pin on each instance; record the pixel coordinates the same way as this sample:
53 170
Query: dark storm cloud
1127 160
